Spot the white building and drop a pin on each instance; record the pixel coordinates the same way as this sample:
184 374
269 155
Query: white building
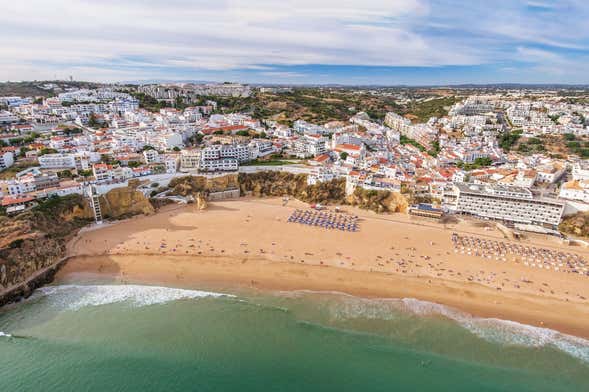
260 148
189 160
505 203
7 118
6 160
171 163
310 146
240 152
581 170
223 164
57 161
151 156
321 175
575 190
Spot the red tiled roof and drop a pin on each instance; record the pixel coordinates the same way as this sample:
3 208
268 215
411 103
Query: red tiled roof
8 200
347 147
322 158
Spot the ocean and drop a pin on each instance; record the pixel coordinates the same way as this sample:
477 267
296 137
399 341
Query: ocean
144 338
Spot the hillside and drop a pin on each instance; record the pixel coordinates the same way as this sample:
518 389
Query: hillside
321 105
37 88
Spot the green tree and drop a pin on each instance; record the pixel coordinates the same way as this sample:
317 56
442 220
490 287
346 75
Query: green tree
64 174
92 121
343 155
508 139
45 151
85 173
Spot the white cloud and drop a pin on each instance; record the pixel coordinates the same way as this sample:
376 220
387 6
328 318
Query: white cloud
121 38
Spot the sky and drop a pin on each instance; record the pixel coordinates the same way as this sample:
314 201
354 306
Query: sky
378 42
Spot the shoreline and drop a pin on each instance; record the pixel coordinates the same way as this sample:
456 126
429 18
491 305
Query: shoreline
248 243
228 274
25 289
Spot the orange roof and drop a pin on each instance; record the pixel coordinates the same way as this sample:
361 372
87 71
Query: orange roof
347 147
321 158
8 200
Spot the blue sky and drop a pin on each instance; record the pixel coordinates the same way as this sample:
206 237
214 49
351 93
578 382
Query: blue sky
387 42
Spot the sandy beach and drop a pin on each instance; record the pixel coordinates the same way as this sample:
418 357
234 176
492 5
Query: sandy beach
248 242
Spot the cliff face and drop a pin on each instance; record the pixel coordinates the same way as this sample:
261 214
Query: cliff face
193 185
273 184
124 202
36 239
30 256
295 185
577 225
378 201
118 203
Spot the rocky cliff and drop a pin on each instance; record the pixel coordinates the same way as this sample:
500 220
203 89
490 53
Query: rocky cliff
295 185
378 201
36 239
118 203
193 185
577 225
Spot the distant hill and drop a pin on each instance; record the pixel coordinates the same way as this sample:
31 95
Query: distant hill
44 88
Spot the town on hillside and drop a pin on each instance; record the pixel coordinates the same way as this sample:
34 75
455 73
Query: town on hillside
513 154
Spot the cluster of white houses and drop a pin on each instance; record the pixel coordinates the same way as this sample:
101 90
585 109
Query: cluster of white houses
367 153
224 157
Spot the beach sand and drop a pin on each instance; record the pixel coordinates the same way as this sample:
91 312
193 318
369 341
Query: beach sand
248 242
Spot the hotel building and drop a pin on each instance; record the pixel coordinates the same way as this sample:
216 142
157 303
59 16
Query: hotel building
504 203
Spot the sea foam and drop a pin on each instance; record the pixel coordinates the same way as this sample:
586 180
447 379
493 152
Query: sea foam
74 297
490 329
504 331
5 335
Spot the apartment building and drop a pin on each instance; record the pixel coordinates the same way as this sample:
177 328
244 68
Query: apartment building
189 160
6 160
310 146
57 161
7 118
223 164
306 128
240 152
260 148
575 190
581 170
151 156
504 203
473 106
396 122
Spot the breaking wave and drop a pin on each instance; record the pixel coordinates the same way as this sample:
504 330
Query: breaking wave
490 329
74 297
5 335
504 331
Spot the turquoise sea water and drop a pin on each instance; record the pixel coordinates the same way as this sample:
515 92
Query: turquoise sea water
142 338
